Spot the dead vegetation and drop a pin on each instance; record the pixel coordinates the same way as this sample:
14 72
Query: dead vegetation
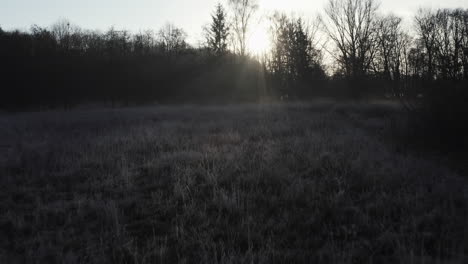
292 183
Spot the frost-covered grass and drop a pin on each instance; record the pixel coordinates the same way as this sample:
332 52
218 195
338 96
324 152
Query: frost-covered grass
292 183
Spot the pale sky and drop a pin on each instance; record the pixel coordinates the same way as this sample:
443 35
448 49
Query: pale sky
191 15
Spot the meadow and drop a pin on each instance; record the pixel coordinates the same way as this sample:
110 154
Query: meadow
321 182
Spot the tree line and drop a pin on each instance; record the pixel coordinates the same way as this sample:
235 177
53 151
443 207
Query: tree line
63 65
372 54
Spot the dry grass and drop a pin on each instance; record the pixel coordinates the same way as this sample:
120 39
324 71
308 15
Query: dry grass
292 183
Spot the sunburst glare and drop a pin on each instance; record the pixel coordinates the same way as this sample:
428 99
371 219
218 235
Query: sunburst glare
259 42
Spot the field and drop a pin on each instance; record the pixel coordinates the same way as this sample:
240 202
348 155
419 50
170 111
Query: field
274 183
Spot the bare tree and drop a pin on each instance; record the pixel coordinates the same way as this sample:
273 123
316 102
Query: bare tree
350 24
391 45
173 39
426 29
391 57
242 12
62 31
117 42
143 42
443 34
464 18
449 42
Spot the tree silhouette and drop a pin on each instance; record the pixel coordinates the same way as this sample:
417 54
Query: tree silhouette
64 65
242 12
218 31
426 28
444 42
173 39
295 62
388 57
351 26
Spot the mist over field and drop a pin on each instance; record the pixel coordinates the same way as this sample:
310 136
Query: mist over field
278 138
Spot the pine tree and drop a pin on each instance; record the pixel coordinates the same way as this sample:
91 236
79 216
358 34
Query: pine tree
295 61
218 31
302 48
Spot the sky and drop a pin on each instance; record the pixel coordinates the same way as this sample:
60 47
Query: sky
191 15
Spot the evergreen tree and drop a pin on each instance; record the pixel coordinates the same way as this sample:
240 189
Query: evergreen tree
295 61
218 31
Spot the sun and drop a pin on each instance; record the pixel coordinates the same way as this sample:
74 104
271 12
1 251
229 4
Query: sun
259 40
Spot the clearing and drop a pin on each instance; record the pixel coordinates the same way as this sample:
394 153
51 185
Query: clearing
282 183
